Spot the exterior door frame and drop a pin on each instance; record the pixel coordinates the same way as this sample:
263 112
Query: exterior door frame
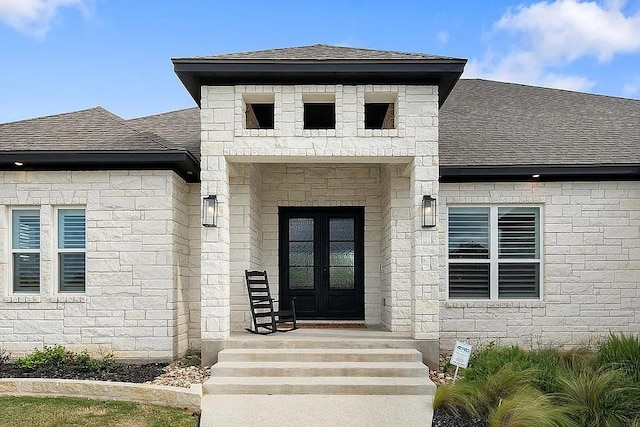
328 303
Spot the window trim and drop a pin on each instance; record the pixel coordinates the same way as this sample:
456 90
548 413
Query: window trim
12 251
494 261
57 250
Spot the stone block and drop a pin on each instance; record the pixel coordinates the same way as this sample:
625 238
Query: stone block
8 386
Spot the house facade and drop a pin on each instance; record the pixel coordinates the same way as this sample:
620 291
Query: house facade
373 187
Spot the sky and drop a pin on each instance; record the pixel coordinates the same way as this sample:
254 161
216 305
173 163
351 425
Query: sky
65 55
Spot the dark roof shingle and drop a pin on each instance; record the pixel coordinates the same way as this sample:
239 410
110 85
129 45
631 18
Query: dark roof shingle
487 123
321 52
180 129
84 130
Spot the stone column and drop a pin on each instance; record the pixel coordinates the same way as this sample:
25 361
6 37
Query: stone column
422 124
215 291
424 255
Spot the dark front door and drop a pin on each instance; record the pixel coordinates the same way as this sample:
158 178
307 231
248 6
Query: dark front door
322 261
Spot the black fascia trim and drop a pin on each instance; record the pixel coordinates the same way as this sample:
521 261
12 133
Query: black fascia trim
624 172
195 73
181 162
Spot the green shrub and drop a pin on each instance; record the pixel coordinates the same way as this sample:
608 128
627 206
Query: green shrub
545 365
456 399
577 358
47 357
599 397
507 381
479 398
59 356
621 352
526 409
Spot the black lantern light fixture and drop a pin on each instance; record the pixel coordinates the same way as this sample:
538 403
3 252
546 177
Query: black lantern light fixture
428 212
210 211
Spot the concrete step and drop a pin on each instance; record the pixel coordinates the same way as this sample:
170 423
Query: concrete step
307 410
319 385
319 369
320 355
319 342
220 410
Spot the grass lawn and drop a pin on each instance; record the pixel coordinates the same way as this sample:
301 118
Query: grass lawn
50 412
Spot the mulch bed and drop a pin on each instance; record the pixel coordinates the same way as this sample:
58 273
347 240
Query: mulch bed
440 419
119 372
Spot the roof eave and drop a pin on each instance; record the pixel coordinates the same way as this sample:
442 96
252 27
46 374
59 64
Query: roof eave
602 172
195 73
182 162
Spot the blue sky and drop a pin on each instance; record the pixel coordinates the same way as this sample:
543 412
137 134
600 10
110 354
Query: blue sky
64 55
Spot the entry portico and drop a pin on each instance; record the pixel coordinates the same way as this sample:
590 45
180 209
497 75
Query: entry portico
332 210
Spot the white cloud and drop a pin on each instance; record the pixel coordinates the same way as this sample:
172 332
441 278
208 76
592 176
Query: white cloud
546 36
35 17
442 37
632 88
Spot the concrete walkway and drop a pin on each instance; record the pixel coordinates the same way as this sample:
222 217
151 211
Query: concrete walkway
248 410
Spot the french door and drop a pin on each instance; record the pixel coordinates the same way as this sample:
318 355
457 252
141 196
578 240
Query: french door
321 258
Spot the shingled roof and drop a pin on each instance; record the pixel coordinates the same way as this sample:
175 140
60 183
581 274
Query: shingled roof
321 52
91 129
319 64
92 139
488 123
179 129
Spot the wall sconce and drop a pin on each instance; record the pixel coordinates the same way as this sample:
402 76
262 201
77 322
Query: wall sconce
210 211
428 212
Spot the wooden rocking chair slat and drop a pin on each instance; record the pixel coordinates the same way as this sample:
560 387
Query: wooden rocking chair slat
262 306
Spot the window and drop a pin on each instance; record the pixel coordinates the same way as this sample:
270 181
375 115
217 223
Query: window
379 110
259 110
378 115
71 250
494 252
319 111
25 250
259 116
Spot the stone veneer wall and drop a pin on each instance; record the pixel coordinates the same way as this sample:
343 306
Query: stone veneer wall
138 263
227 149
396 250
186 264
326 185
591 264
245 227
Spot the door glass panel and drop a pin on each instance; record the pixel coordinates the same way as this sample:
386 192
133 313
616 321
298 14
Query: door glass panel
301 253
341 278
341 229
301 229
300 278
341 253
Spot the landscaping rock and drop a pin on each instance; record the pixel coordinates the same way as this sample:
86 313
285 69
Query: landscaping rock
179 375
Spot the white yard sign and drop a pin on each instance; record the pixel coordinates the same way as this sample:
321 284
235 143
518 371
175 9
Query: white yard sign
461 353
460 357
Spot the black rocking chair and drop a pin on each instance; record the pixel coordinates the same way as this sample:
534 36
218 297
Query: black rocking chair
262 311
